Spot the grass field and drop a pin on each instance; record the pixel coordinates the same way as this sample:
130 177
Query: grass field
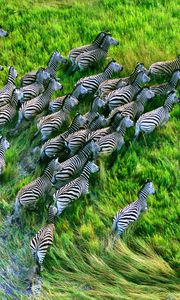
82 264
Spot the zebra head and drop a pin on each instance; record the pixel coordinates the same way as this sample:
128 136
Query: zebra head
148 187
92 167
175 77
18 93
171 99
79 120
121 84
142 78
52 213
57 57
1 68
145 93
97 103
114 66
3 33
110 40
4 142
94 147
42 75
79 90
70 102
12 72
126 122
55 85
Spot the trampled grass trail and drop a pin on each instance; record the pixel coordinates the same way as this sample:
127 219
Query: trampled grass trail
83 263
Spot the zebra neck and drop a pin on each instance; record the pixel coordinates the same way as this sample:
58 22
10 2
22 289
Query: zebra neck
173 82
48 93
11 79
48 172
122 130
85 153
168 106
105 47
136 86
85 174
52 68
142 100
107 73
132 77
2 150
143 195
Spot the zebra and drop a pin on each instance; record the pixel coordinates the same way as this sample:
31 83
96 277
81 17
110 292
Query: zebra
53 122
74 142
7 90
90 58
126 94
3 33
131 109
55 59
30 193
71 167
165 67
132 211
74 189
4 145
115 140
30 109
92 114
33 90
43 239
112 84
165 88
157 117
8 111
55 146
95 44
92 82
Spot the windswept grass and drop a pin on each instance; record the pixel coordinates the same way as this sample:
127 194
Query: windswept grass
82 263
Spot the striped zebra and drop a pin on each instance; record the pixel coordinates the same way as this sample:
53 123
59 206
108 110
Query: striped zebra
112 84
165 67
4 145
3 33
92 82
95 44
55 146
115 140
33 107
74 142
165 88
90 58
8 111
157 117
40 243
132 211
74 189
55 59
33 90
30 193
92 114
7 90
126 94
53 122
71 167
132 109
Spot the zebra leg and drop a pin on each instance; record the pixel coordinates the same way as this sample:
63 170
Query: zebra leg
137 131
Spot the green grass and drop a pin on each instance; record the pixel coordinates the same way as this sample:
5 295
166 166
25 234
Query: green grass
82 264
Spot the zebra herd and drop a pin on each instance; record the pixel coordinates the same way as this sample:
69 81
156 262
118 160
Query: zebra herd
72 155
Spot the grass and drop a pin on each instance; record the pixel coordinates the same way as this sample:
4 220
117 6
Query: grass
82 264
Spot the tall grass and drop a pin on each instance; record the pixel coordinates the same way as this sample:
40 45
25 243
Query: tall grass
82 263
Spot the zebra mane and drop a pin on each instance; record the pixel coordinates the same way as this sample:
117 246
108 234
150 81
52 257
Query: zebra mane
99 36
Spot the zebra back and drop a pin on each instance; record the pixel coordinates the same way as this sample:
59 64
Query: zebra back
165 67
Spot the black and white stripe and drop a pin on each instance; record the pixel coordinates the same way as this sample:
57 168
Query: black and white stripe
87 59
55 146
8 111
74 189
132 211
115 140
132 109
127 93
157 117
92 82
74 165
165 88
165 67
53 122
95 44
55 59
7 90
36 88
90 116
30 194
4 145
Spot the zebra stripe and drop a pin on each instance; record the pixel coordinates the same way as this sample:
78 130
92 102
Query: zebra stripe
53 63
74 165
4 145
7 91
158 117
74 189
95 44
92 82
165 67
90 58
132 211
165 88
92 114
53 122
114 141
126 94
